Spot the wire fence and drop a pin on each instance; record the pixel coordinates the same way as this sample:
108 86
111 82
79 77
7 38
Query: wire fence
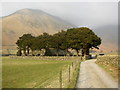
65 77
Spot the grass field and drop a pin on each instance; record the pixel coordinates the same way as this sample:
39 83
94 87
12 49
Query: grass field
110 63
38 72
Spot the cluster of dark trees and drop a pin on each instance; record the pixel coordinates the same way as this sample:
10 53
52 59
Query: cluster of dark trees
76 38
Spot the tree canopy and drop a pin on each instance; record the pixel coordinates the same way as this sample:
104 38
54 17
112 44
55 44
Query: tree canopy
82 38
76 38
24 43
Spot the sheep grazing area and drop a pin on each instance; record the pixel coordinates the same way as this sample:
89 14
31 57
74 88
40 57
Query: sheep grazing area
111 64
39 72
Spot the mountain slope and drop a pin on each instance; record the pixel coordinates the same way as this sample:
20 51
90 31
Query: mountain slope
109 36
30 21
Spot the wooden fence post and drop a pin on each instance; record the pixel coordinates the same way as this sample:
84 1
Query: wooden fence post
72 64
69 73
60 78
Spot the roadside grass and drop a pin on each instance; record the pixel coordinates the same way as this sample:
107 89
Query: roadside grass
110 64
74 77
37 72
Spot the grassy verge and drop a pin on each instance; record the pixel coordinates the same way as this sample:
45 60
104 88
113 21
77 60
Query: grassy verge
37 72
74 77
110 64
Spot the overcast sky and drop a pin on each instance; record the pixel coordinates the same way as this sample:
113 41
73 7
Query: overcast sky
92 14
99 16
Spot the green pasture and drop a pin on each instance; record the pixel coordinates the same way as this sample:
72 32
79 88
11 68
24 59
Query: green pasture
29 72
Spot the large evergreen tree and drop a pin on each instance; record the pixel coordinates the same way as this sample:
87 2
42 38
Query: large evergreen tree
24 43
82 38
45 42
59 41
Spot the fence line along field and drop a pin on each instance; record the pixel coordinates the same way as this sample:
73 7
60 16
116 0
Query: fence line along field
110 63
40 72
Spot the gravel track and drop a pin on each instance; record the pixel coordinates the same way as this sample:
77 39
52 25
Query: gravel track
93 76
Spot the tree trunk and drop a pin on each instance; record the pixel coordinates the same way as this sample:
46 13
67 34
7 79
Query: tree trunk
67 52
85 51
32 52
82 52
57 52
77 52
28 51
48 52
25 52
20 52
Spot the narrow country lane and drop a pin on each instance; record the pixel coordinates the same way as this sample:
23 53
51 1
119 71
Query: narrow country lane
93 76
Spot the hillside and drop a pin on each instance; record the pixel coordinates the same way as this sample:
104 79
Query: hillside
30 21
